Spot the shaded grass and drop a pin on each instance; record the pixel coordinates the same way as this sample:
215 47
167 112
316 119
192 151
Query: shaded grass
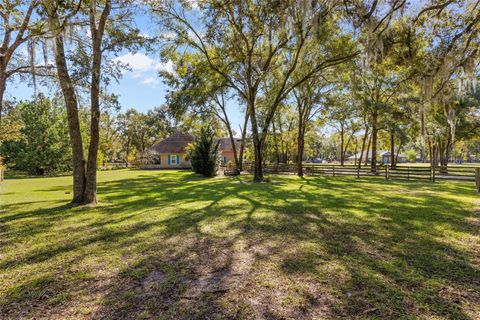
170 245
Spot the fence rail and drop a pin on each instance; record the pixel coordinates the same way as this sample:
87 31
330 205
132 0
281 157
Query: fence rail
400 172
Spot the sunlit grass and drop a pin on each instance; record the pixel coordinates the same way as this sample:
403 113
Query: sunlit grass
168 244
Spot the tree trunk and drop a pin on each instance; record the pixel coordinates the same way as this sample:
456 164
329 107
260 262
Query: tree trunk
363 147
3 85
282 142
355 152
242 144
257 143
90 196
341 143
127 151
422 137
398 151
300 148
232 140
444 154
368 149
234 147
392 149
226 121
66 85
374 142
275 144
430 150
344 151
258 170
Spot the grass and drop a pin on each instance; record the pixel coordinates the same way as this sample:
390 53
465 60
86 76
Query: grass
170 245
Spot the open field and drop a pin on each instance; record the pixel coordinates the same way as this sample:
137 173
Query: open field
170 245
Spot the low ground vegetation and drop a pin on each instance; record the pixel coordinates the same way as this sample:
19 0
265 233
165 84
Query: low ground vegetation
171 245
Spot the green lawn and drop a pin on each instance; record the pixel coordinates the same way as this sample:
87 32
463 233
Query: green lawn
170 245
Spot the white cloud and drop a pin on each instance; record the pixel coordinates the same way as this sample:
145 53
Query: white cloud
144 67
165 66
137 61
168 35
140 63
151 81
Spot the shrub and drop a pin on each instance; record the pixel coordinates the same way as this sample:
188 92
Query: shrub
203 153
230 165
43 146
411 155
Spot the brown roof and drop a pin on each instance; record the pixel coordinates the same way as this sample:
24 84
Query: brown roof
226 144
176 143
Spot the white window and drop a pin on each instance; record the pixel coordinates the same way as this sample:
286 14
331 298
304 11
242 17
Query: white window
173 159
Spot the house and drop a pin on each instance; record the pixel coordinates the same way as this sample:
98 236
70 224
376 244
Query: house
170 153
385 157
356 157
226 149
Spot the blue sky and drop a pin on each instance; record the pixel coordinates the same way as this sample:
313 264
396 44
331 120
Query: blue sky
140 88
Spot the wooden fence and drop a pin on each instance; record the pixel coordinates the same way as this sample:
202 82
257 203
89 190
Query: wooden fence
339 170
321 169
477 178
400 172
410 173
2 173
459 173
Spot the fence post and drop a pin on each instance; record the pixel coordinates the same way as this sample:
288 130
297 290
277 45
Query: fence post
358 172
432 168
386 172
477 178
408 173
333 170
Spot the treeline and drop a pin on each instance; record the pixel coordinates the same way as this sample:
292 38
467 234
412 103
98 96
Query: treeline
35 135
336 76
389 74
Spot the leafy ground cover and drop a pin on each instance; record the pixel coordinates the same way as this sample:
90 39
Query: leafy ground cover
171 245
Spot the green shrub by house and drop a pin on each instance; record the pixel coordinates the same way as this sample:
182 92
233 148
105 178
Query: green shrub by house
203 154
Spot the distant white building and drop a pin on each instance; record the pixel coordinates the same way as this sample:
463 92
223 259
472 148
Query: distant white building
385 156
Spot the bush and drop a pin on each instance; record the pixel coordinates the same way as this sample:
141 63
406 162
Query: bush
411 155
43 146
203 154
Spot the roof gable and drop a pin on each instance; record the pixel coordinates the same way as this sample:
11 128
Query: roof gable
176 143
225 144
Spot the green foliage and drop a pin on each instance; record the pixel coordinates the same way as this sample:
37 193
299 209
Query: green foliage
138 131
230 165
43 146
203 154
411 155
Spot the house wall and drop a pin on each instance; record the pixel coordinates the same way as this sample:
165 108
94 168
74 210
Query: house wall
184 164
228 156
399 159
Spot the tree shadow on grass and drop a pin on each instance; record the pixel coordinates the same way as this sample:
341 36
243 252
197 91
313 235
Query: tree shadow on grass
273 252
